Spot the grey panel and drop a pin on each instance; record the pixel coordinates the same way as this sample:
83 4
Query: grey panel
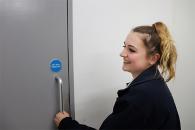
32 33
70 49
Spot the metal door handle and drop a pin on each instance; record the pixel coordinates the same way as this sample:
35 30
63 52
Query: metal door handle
60 85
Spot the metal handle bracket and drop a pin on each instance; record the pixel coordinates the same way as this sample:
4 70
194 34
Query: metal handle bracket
60 85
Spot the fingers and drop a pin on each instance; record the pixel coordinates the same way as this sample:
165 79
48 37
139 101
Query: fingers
57 122
59 117
65 114
62 114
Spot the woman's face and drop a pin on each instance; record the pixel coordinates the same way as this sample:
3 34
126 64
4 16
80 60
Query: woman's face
135 59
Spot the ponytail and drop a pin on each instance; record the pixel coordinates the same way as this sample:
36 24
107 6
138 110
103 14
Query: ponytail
168 51
160 41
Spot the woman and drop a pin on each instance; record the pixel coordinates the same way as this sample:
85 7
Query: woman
150 56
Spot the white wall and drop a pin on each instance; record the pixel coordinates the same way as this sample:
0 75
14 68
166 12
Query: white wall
183 86
99 29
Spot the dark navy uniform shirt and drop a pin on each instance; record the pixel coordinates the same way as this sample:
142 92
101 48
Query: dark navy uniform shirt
145 104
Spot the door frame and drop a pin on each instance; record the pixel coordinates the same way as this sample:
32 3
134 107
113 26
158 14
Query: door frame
70 57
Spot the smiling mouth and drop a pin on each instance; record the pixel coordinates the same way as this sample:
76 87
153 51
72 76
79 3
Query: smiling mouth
125 62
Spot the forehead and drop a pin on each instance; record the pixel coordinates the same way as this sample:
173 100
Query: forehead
134 38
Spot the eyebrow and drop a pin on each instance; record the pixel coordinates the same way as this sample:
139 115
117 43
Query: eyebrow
130 46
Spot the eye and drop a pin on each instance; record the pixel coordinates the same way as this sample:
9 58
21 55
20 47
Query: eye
131 50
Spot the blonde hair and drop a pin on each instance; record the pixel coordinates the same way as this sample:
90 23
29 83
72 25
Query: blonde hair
157 39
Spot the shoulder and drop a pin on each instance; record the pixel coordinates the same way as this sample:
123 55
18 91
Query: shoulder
156 93
152 88
151 92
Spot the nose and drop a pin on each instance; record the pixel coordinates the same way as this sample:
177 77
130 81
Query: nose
123 53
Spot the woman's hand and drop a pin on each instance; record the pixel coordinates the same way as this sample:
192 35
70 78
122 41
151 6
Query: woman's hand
59 116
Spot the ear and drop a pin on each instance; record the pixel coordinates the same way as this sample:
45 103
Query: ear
154 58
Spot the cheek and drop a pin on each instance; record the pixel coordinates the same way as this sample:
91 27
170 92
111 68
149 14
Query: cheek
138 60
133 58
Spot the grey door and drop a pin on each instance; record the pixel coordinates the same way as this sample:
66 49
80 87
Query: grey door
32 33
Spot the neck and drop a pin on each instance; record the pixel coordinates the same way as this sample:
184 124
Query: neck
136 74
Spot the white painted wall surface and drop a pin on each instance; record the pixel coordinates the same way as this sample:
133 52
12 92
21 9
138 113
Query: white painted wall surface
183 87
99 29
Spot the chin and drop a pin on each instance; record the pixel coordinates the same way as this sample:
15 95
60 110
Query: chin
125 69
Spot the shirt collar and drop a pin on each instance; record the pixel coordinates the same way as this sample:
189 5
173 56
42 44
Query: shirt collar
150 73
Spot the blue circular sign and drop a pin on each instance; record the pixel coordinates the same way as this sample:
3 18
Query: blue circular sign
55 65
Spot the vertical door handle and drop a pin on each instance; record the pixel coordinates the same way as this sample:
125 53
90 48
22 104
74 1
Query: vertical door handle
60 85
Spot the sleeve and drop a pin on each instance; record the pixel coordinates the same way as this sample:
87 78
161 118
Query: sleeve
129 118
132 114
70 124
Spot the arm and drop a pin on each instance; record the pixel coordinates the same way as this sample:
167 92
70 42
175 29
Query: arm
65 122
130 112
131 117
